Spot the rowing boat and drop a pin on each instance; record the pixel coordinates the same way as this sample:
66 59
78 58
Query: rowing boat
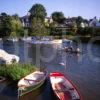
31 82
63 87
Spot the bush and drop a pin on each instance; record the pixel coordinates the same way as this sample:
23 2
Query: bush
85 31
55 31
97 31
70 33
16 71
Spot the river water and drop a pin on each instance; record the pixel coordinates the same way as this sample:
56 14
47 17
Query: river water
83 69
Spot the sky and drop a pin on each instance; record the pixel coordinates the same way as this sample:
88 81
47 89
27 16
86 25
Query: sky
72 8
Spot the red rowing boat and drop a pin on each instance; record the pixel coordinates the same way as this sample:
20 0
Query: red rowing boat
63 87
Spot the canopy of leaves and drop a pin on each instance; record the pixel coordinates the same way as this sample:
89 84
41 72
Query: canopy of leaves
79 20
58 17
38 11
16 26
85 31
10 25
5 24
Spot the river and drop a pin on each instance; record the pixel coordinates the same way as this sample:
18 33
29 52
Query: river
83 69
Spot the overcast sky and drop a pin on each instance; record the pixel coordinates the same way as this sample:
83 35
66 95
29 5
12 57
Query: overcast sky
85 8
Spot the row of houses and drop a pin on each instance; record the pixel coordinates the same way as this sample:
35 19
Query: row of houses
95 22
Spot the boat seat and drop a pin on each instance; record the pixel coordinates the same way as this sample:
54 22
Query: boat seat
30 80
63 92
61 88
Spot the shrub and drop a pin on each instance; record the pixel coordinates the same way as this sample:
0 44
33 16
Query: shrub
16 71
85 31
97 31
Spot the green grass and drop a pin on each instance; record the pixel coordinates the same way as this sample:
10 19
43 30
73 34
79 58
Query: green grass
16 71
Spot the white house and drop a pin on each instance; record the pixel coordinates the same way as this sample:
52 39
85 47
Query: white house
94 22
48 19
83 25
25 20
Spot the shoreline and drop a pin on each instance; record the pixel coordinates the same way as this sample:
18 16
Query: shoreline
56 39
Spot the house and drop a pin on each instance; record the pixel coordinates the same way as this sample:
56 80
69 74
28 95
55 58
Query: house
70 23
48 19
25 20
84 24
94 22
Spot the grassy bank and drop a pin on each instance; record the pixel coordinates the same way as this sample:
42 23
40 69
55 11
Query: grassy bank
16 71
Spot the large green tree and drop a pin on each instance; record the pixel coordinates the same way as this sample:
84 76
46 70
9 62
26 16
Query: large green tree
37 18
10 25
38 11
5 24
58 17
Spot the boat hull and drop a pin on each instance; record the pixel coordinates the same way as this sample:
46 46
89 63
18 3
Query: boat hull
28 83
30 89
63 87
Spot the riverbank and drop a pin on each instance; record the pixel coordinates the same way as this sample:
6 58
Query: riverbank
85 39
54 39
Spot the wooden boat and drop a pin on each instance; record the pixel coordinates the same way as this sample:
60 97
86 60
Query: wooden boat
63 88
31 82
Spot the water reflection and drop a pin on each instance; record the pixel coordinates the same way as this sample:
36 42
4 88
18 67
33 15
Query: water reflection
84 72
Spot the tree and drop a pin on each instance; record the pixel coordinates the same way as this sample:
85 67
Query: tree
38 28
16 26
79 20
37 17
87 31
38 11
58 17
5 24
15 16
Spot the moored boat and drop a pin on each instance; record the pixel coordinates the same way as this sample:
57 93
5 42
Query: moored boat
31 82
63 87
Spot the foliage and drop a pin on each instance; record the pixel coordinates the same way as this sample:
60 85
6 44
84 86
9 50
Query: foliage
55 31
97 31
16 26
10 25
16 71
58 17
70 33
38 11
38 28
5 24
37 17
59 31
79 20
53 24
85 31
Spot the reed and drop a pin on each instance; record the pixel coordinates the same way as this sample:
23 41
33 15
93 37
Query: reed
16 71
